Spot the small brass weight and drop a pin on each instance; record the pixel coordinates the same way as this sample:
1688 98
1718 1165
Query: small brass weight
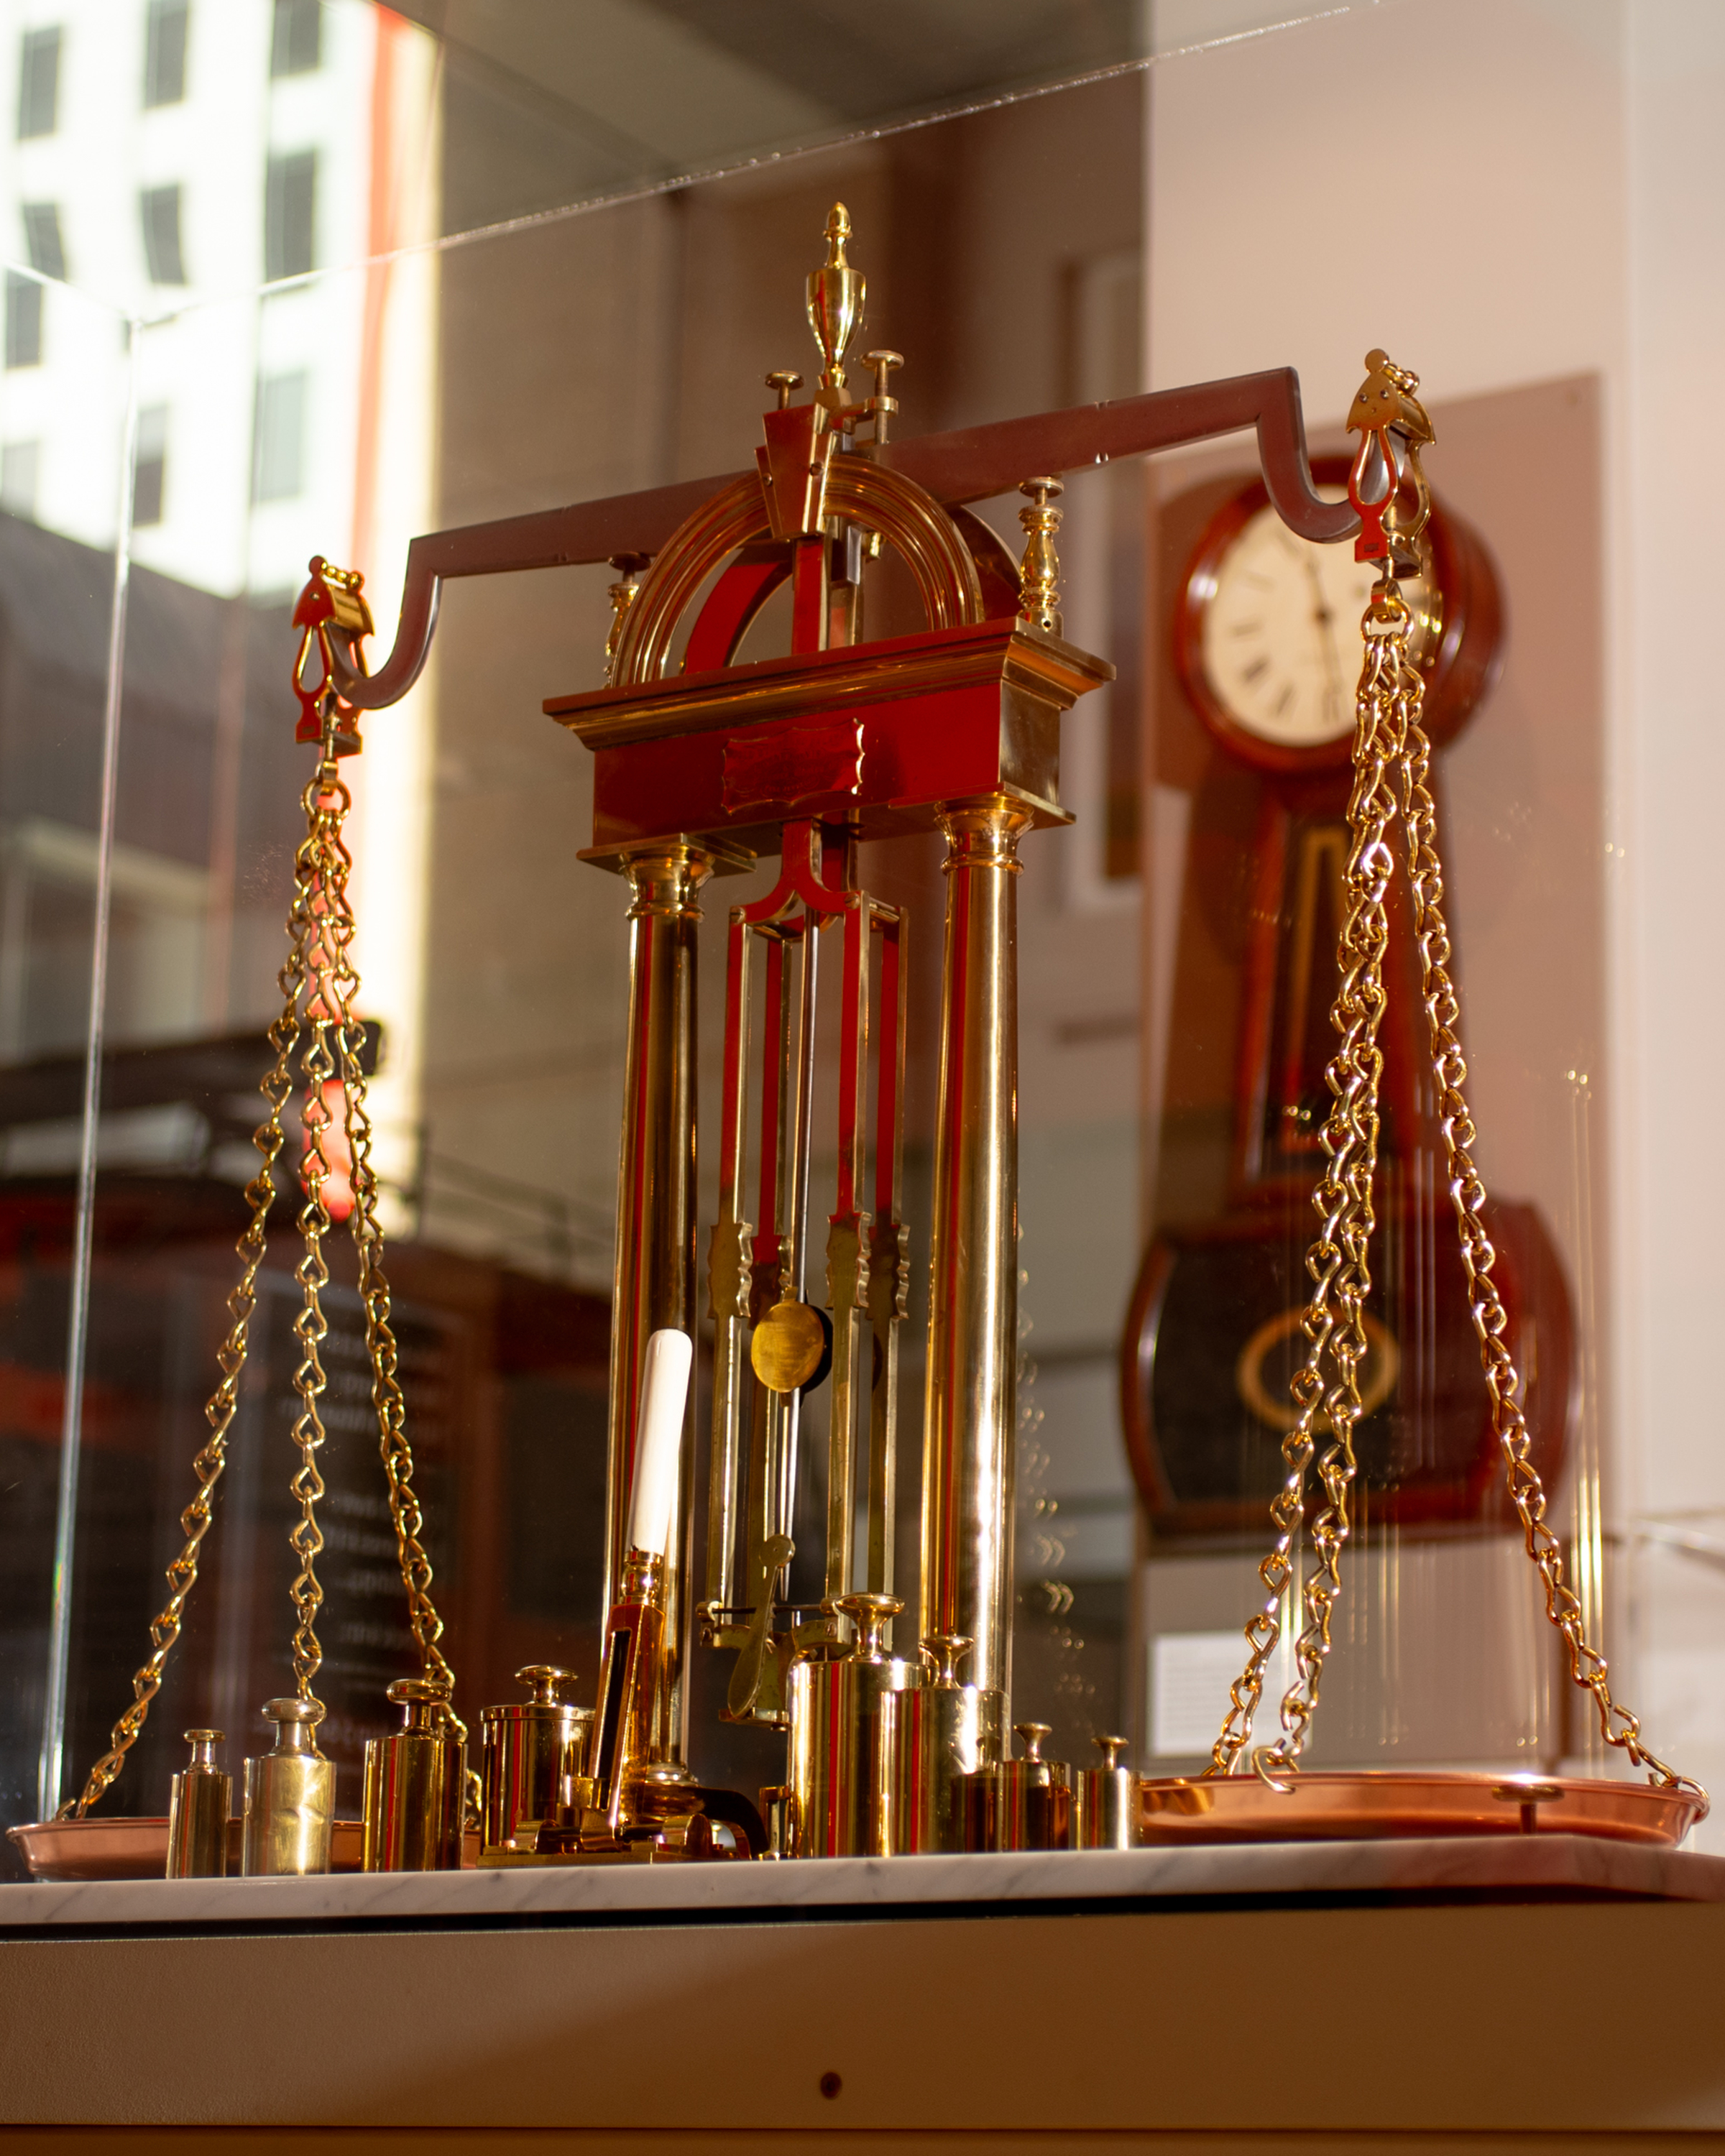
416 1784
202 1795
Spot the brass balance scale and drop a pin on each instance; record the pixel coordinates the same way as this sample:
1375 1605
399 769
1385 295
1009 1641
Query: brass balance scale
703 764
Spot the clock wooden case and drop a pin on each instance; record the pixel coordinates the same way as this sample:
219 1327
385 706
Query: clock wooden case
1259 635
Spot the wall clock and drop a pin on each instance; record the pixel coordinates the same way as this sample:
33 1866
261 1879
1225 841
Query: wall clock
1263 644
1266 631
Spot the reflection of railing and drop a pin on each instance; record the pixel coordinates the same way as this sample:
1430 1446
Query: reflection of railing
573 1235
1674 1531
188 1108
49 873
180 1107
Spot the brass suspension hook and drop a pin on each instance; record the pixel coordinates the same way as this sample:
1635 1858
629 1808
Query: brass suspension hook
1394 427
332 604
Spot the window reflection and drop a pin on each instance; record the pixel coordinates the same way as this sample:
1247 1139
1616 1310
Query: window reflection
166 25
39 84
23 321
159 209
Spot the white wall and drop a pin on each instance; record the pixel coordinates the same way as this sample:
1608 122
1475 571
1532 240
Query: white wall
1671 747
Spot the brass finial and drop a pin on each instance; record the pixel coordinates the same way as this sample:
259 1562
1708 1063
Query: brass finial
836 295
622 595
784 380
1039 573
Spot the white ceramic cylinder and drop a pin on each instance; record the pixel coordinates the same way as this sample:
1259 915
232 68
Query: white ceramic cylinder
658 1438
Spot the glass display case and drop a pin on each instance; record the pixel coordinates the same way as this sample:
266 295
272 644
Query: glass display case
288 279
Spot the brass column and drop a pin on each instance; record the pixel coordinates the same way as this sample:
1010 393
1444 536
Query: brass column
654 1282
970 1426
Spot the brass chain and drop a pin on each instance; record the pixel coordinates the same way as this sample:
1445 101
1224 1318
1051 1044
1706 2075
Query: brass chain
327 802
1587 1667
1389 736
220 1410
1338 1261
386 1397
319 966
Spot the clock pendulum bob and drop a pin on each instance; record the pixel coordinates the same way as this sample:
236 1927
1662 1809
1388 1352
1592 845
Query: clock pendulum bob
200 1797
289 1797
415 1784
953 730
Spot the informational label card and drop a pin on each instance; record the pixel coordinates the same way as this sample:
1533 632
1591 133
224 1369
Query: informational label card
1190 1673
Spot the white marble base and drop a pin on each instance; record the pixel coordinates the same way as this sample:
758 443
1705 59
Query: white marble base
1570 1865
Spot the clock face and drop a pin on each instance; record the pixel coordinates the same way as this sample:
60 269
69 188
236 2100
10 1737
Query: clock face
1279 638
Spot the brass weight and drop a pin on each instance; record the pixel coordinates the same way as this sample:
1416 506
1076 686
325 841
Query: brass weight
530 1748
1019 1804
289 1797
416 1784
201 1800
942 1744
1105 1801
847 1733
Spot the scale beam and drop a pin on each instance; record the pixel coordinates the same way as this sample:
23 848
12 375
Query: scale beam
969 464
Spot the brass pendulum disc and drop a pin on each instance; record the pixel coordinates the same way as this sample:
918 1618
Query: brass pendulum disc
788 1346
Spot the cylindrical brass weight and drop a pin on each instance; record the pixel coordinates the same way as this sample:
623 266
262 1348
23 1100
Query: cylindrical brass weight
847 1730
530 1748
942 1744
1019 1804
289 1797
202 1797
416 1784
1105 1801
778 1815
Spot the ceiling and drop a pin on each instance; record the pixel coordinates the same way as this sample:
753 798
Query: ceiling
548 102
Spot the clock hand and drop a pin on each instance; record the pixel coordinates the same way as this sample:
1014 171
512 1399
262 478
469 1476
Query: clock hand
1324 615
